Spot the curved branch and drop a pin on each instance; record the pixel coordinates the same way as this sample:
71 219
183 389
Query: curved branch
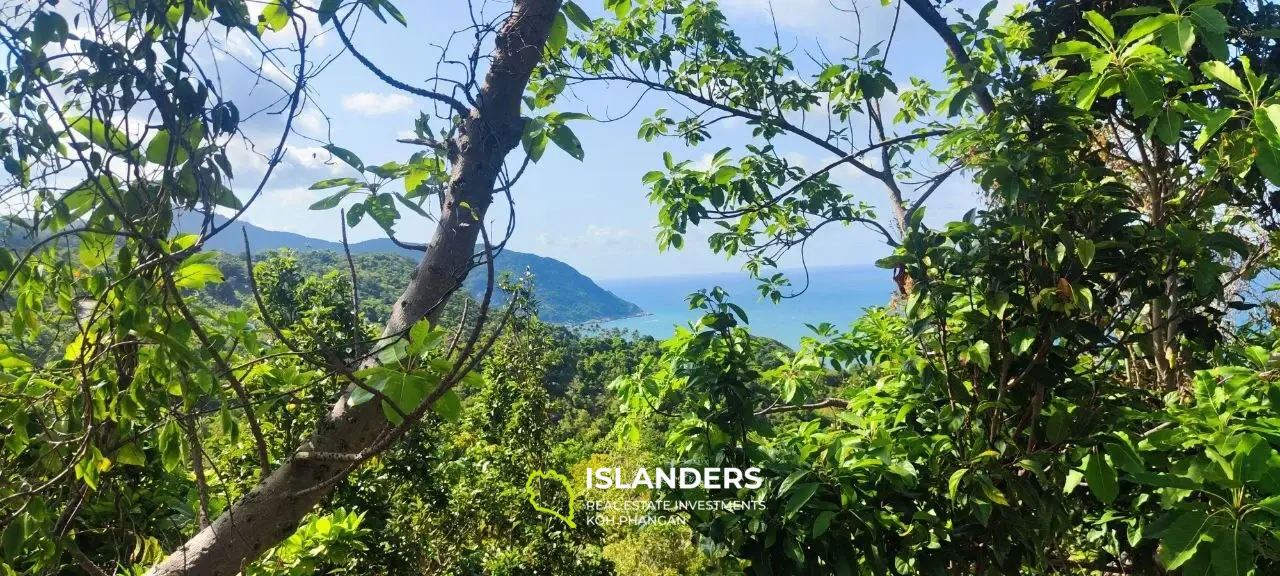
260 441
450 101
930 15
937 182
745 114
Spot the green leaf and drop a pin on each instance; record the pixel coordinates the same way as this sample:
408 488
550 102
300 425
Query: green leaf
980 352
1270 504
275 15
724 174
997 302
332 183
406 390
1205 276
822 523
448 406
1125 456
105 136
1021 339
95 248
1213 122
534 139
1209 19
158 149
1221 72
355 214
1146 27
1071 481
1268 120
222 196
394 353
1101 25
394 12
565 139
330 201
171 446
1224 241
130 455
327 10
1085 250
831 72
992 493
559 33
1232 551
800 496
1075 48
791 480
1251 462
196 275
1089 91
422 337
411 205
346 156
1179 541
576 15
1084 298
48 26
1058 425
1143 90
916 217
1138 11
1168 126
1179 38
953 484
14 536
80 200
1268 161
957 101
1101 477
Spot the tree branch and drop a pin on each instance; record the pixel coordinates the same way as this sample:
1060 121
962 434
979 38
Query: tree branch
930 15
828 403
450 101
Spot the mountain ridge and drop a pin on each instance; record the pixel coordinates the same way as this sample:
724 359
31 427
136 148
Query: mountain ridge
565 295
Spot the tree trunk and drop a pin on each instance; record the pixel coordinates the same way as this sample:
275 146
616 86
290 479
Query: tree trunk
273 510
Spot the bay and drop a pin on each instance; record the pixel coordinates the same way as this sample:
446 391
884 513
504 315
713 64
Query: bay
838 295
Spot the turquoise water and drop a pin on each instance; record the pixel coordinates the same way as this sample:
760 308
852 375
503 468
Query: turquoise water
835 295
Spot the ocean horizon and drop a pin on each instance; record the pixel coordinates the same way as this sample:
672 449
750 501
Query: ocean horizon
838 295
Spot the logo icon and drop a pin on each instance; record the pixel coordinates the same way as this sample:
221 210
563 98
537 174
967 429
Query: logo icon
533 495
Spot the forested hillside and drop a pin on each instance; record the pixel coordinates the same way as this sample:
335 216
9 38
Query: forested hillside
564 295
1077 374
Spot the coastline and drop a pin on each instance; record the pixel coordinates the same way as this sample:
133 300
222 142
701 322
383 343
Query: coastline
598 321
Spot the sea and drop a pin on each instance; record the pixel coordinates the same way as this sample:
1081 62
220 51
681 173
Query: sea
837 295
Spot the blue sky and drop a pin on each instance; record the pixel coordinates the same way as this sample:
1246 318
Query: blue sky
591 214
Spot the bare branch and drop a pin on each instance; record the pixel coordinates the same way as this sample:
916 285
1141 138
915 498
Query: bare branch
450 101
827 403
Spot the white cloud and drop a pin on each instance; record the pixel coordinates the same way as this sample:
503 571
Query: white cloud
244 161
600 237
609 235
376 104
291 197
312 123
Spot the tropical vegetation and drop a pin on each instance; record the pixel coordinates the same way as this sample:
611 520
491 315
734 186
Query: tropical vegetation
1076 377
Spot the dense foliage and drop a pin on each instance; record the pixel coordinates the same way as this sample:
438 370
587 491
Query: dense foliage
1078 376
